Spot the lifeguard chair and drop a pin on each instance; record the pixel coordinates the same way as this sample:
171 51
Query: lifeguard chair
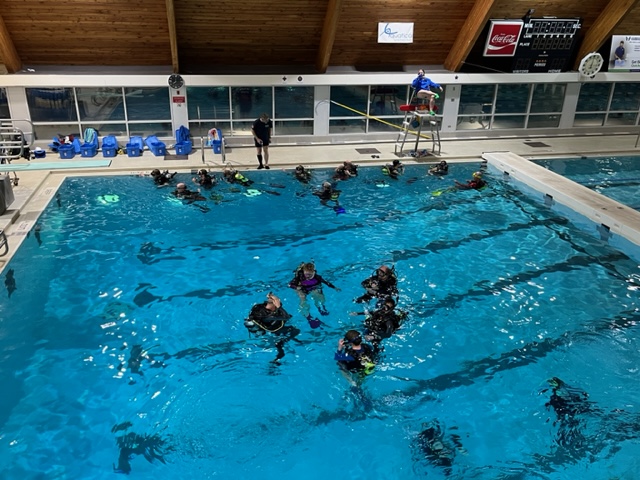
415 112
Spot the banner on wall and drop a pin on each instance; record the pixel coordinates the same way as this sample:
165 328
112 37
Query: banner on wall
395 32
625 53
502 40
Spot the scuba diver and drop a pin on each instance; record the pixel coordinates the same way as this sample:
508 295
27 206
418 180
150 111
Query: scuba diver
355 356
441 168
302 174
383 322
162 179
476 183
183 193
307 282
271 317
231 175
393 170
383 283
329 194
569 405
204 179
435 448
345 171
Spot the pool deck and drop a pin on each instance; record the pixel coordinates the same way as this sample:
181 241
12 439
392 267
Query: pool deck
36 187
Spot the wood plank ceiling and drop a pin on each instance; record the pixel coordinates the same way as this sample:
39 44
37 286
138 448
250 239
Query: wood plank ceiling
229 36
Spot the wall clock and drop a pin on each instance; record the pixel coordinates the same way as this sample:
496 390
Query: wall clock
591 64
176 81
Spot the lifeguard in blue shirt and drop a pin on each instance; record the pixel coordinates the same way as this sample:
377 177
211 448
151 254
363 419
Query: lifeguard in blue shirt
422 86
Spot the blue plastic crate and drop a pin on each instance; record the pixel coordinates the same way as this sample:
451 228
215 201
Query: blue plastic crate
109 152
183 148
88 150
66 151
158 149
133 150
216 145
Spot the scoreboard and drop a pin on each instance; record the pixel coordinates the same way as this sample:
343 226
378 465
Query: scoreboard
546 45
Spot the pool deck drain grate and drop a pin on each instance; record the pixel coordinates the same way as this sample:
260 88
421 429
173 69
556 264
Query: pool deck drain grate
367 151
537 144
169 156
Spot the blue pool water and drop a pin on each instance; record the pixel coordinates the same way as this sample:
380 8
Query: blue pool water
123 343
616 177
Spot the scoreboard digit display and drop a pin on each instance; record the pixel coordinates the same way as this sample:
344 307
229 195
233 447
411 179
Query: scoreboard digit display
546 45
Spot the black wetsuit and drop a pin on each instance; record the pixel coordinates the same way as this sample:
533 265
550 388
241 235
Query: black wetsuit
379 287
383 323
162 178
262 320
439 170
188 195
303 176
354 360
206 181
343 172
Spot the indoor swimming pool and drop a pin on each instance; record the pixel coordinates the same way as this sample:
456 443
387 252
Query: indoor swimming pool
124 349
616 177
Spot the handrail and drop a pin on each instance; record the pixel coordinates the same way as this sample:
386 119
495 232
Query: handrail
4 243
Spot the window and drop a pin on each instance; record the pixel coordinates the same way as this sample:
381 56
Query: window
208 103
148 103
548 97
594 97
626 97
353 97
293 102
512 98
52 105
248 103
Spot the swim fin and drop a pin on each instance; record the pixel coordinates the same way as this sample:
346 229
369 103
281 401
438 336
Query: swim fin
313 322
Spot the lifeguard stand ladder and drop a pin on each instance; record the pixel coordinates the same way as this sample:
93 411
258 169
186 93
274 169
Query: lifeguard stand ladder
14 143
414 117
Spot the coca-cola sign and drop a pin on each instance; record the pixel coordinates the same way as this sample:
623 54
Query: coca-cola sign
502 40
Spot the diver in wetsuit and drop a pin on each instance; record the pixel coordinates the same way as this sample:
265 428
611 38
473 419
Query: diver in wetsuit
307 282
383 322
327 193
231 175
183 193
393 170
441 168
476 183
302 174
271 317
353 355
383 283
345 171
436 448
162 179
204 179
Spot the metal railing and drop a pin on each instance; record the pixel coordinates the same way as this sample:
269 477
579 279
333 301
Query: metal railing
15 143
4 243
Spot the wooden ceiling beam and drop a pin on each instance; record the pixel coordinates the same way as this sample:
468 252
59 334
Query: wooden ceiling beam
173 40
8 51
328 37
468 34
603 27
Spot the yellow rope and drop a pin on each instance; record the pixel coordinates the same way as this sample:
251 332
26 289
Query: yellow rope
381 121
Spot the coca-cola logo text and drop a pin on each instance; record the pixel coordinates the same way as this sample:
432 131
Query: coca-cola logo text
503 39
